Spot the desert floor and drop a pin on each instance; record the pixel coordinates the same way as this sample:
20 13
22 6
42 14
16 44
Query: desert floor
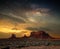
42 47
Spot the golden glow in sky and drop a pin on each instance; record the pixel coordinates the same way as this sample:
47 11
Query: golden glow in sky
11 31
8 28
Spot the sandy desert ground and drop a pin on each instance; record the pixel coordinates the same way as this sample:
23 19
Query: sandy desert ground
42 47
36 47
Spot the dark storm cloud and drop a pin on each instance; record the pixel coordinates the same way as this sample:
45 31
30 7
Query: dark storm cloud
19 7
12 19
49 28
16 9
25 3
39 28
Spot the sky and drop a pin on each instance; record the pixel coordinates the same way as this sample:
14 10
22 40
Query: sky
20 17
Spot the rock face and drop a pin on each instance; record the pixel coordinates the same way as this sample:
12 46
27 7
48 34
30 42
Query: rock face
41 35
13 36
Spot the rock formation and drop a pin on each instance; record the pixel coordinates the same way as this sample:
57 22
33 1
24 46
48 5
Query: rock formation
41 35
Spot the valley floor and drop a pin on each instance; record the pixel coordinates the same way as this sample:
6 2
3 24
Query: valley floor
42 47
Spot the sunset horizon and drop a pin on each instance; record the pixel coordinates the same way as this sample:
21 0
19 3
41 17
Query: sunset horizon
29 24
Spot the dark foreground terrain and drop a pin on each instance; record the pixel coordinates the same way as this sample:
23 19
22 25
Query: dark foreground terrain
29 43
42 47
35 47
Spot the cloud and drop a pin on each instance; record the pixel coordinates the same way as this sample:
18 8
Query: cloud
31 13
39 28
11 18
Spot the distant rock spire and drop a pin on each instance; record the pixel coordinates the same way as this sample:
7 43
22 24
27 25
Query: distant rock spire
13 36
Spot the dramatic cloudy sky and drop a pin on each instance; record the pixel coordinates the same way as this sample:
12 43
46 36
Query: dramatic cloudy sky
29 15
